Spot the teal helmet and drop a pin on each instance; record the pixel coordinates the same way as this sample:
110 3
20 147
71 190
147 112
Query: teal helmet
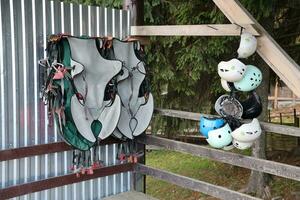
220 137
251 79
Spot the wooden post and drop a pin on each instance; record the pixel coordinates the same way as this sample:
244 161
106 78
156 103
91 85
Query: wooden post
136 8
276 94
294 99
296 119
280 118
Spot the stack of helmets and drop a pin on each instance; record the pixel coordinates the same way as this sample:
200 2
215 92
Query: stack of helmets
236 77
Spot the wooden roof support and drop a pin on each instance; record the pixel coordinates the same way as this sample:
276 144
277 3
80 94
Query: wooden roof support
192 30
282 64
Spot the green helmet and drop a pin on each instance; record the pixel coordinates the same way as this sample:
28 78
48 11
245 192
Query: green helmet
251 79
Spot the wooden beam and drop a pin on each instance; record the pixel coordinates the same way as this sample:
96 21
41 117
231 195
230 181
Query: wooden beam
192 184
192 30
276 90
36 186
294 98
267 127
281 63
22 152
271 167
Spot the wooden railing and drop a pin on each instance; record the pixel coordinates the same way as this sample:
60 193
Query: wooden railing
267 127
267 166
192 184
53 182
44 184
257 164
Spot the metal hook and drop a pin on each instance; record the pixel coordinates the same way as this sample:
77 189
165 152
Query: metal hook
242 28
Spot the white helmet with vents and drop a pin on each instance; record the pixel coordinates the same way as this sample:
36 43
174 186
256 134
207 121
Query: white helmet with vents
232 70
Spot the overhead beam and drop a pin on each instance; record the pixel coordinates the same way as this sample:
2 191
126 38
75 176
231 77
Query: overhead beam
192 30
281 63
267 166
192 184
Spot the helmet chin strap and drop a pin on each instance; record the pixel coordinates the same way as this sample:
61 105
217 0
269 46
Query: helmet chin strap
232 90
233 122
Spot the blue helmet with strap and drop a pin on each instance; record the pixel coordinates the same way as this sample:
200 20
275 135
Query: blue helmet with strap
207 124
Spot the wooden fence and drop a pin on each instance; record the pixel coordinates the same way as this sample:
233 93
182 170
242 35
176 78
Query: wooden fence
262 165
249 162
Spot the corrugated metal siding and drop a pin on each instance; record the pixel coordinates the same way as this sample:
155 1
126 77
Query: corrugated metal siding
24 26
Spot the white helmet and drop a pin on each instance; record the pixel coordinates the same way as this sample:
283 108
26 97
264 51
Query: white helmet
246 134
232 70
219 138
241 145
225 85
248 45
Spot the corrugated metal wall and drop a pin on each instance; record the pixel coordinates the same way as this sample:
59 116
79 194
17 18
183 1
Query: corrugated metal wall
24 26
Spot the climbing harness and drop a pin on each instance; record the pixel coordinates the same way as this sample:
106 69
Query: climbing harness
133 88
94 91
68 91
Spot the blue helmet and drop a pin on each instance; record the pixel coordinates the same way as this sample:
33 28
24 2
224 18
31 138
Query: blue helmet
208 124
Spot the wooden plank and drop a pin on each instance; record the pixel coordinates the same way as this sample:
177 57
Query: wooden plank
281 63
271 167
192 184
22 152
294 98
192 30
268 127
131 195
58 181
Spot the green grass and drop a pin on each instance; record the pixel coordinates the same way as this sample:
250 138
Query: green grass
206 170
